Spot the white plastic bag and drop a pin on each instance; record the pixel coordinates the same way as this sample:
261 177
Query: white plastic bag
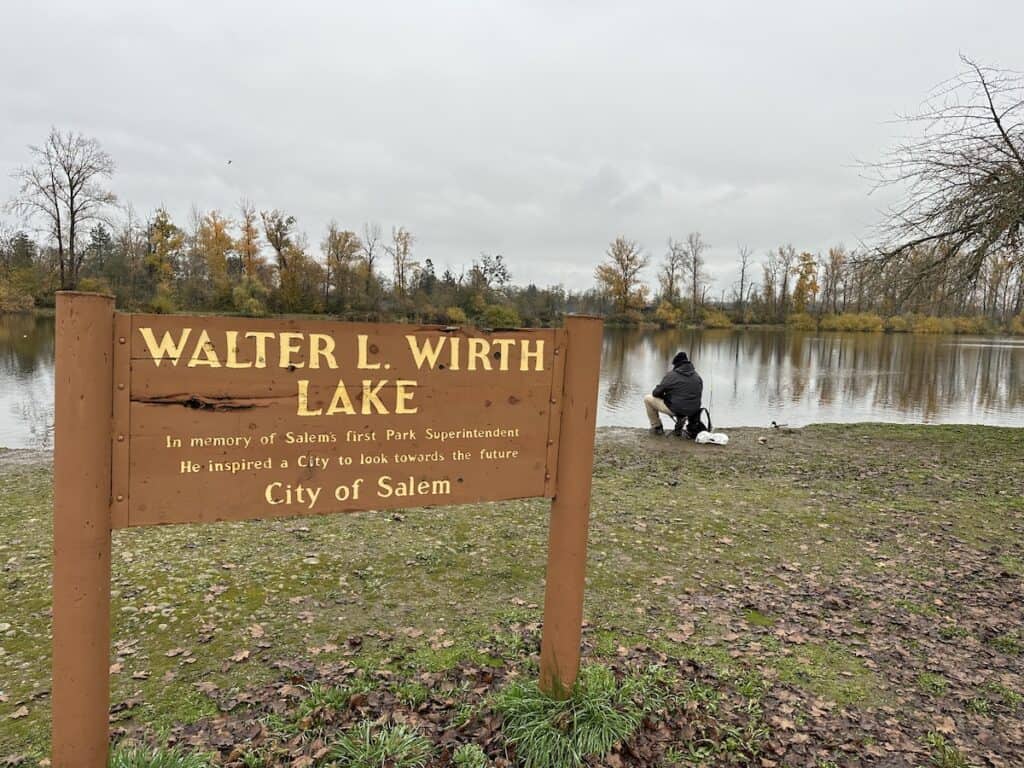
713 438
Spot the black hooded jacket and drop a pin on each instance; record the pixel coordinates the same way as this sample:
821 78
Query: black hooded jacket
681 389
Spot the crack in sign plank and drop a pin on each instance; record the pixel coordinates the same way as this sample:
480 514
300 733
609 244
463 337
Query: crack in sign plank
208 403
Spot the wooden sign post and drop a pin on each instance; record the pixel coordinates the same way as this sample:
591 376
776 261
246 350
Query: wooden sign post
176 419
81 529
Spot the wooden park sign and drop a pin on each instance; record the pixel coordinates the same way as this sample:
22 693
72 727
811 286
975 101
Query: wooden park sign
178 419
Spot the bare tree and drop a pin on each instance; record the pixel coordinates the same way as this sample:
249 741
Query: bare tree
745 254
490 273
673 270
371 239
770 284
831 278
131 240
695 247
400 252
963 177
278 228
64 188
785 261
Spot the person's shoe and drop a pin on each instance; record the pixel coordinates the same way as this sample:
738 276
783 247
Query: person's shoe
658 430
678 431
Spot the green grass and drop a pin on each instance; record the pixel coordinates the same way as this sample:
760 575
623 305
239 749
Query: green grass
256 758
979 705
837 504
831 671
944 754
1008 643
932 684
470 756
370 746
134 756
704 695
1010 698
412 694
317 711
758 619
551 733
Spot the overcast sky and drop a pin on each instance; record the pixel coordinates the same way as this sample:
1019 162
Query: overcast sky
539 130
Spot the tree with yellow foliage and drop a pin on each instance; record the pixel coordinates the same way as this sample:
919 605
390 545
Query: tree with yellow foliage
806 288
341 249
216 245
619 274
299 276
248 243
165 244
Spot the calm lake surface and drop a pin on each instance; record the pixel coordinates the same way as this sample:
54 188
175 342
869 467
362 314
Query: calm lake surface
751 377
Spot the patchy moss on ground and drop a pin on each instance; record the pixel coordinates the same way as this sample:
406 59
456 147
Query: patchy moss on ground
833 575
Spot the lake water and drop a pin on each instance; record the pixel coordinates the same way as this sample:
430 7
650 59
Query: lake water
751 377
754 377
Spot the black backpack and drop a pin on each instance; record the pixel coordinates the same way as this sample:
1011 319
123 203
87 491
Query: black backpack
692 430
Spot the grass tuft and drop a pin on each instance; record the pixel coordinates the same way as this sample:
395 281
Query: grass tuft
1008 643
944 754
601 712
134 756
314 714
469 756
394 746
412 693
256 758
931 683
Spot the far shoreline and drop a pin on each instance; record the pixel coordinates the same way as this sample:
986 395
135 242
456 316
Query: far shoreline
646 327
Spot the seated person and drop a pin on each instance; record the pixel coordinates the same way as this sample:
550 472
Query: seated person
678 395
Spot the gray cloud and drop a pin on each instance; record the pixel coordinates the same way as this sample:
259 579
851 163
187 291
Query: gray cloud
538 130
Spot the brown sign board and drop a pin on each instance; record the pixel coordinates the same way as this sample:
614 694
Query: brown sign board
165 419
234 418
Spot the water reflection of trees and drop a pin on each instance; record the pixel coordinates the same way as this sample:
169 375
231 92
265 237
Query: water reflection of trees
826 376
750 376
25 340
26 375
618 365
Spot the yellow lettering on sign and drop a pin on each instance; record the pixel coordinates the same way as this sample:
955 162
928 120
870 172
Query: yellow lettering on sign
453 345
478 349
232 360
288 344
370 399
341 402
402 397
504 345
204 353
526 355
166 347
426 353
303 409
261 338
321 345
364 364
